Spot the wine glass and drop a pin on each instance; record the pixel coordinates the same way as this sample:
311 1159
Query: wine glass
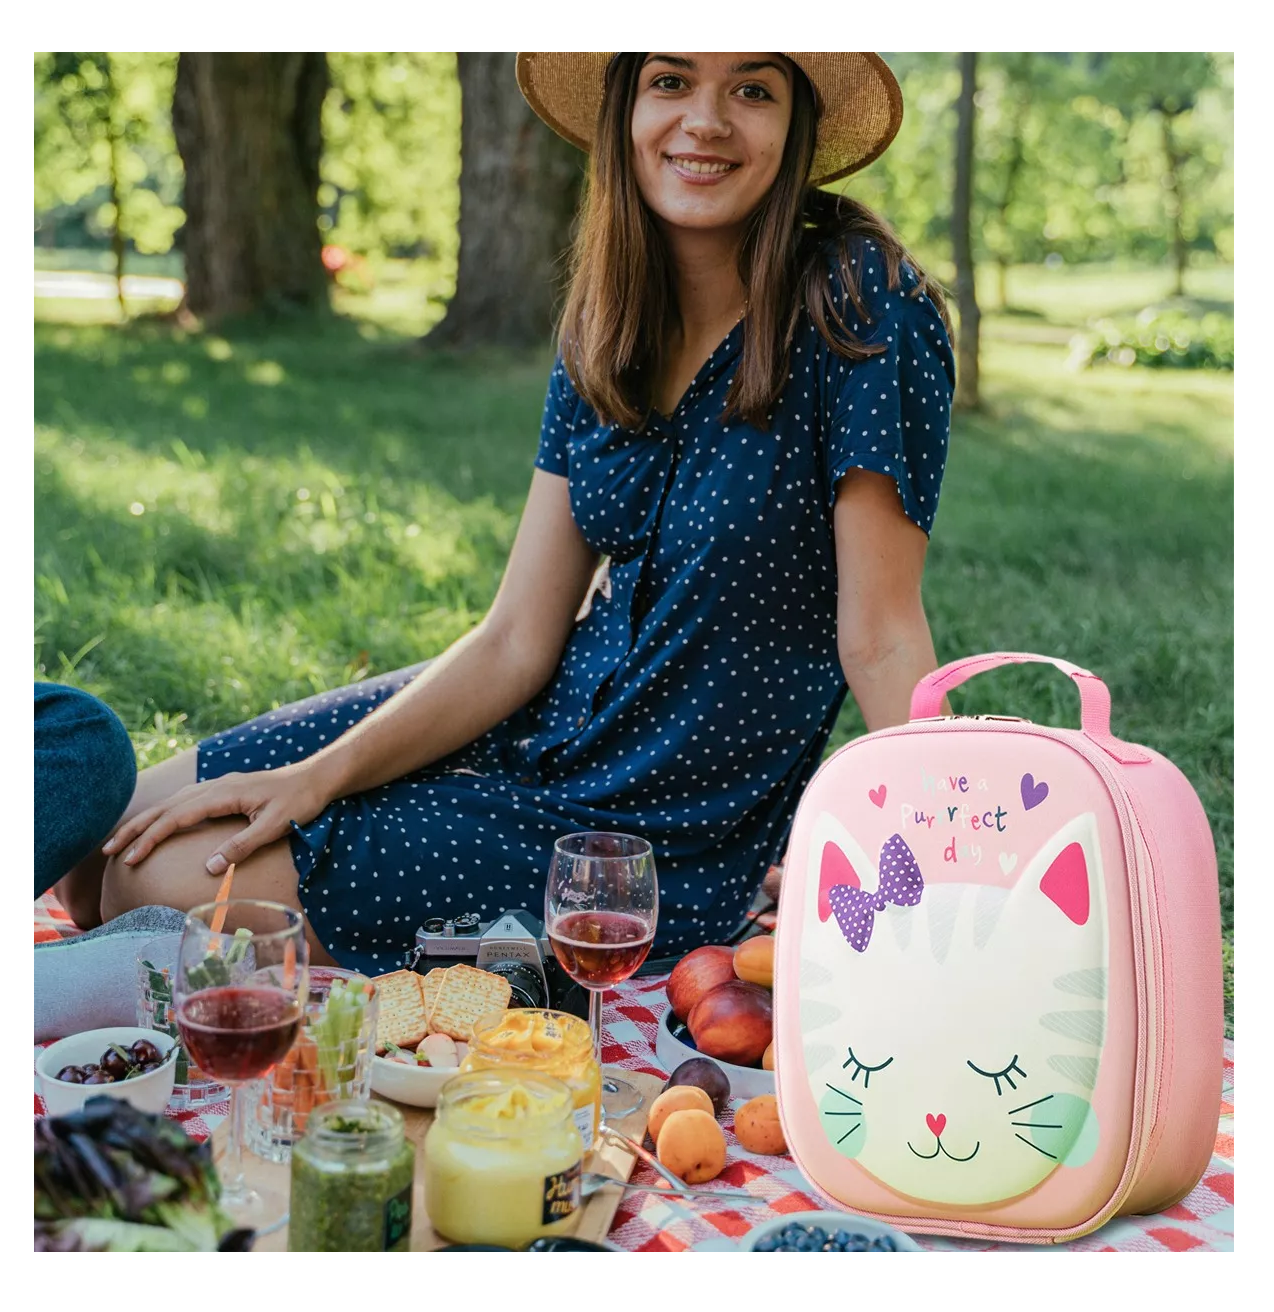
242 980
600 909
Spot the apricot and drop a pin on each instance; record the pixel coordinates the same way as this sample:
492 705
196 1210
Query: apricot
692 1145
754 960
757 1126
679 1098
767 1059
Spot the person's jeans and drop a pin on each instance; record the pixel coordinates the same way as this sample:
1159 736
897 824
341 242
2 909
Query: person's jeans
85 770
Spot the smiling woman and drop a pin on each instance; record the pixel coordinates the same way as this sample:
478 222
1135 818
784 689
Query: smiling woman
742 448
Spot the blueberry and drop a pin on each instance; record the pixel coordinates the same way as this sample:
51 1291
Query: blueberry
886 1244
766 1244
858 1244
842 1237
831 1246
817 1234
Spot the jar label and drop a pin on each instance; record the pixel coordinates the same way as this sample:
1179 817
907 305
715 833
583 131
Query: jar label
584 1124
561 1194
397 1218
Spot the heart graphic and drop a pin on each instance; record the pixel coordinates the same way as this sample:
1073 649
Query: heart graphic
1007 861
937 1124
877 795
1033 793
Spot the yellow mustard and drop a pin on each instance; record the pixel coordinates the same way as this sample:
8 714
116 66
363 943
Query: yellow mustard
552 1042
502 1159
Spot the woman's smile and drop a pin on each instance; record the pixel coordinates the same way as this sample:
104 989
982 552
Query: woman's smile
701 170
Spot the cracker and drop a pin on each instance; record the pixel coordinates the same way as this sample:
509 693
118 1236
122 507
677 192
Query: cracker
467 994
429 986
402 1015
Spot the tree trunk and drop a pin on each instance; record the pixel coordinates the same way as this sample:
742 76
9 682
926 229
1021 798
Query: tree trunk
249 133
519 186
967 395
117 225
1174 205
1020 78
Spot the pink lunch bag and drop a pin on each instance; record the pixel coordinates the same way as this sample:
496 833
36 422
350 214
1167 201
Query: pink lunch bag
998 973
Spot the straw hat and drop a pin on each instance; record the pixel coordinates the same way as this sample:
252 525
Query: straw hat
859 102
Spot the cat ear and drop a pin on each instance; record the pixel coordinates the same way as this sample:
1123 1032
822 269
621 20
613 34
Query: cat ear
1071 869
834 869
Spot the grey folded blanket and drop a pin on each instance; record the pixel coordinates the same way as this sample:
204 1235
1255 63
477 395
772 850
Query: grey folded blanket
90 981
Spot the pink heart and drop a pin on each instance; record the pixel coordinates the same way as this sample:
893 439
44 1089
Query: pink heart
937 1124
877 795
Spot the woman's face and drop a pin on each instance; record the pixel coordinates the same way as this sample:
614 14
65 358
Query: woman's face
708 132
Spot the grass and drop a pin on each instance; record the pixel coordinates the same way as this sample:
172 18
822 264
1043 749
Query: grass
227 522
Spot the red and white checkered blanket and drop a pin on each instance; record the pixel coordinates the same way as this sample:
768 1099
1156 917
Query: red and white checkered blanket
649 1223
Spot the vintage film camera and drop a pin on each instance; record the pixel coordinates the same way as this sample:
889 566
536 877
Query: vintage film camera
513 945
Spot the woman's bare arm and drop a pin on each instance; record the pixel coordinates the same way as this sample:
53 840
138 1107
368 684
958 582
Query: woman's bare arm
882 634
475 684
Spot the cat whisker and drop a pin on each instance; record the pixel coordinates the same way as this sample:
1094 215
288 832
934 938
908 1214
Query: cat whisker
842 1113
843 1094
847 1133
1038 1149
1035 1125
1013 1111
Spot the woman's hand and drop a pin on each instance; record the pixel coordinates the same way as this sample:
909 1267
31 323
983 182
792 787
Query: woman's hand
270 799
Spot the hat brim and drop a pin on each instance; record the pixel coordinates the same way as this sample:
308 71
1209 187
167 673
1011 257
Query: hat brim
859 101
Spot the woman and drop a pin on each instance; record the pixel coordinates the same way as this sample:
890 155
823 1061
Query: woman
742 448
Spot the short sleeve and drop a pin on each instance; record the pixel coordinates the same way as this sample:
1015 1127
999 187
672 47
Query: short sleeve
564 413
892 412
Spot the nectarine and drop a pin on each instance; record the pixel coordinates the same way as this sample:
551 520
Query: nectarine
734 1023
695 974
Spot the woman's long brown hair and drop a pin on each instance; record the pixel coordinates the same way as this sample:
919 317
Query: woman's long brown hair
622 302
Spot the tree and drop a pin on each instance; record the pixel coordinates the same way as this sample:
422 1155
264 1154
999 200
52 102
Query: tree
249 129
519 186
967 397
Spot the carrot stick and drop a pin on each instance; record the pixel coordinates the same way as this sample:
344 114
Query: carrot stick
289 963
223 896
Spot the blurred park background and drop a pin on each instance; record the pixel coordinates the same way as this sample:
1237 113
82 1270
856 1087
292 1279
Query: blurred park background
293 330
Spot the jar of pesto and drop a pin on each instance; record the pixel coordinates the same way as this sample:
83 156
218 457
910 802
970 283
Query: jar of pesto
352 1177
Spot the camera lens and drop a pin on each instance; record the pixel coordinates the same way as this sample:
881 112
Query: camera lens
527 984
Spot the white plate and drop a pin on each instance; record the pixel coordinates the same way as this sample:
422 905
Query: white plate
745 1081
417 1086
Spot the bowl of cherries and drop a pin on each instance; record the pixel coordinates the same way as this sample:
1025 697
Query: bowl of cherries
127 1062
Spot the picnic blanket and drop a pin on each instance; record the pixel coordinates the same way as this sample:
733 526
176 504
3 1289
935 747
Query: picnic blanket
1203 1221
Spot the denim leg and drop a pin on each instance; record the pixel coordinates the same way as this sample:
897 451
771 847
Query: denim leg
85 770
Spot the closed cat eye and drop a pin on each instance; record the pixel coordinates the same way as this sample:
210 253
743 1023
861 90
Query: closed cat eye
1006 1074
861 1068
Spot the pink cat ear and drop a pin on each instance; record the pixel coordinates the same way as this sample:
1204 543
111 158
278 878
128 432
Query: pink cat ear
1065 883
835 869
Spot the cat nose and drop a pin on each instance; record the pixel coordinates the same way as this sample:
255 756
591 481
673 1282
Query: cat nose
937 1124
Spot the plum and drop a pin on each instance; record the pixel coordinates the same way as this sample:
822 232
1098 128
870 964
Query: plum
705 1075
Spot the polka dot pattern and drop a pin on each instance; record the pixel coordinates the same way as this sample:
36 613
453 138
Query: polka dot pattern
694 700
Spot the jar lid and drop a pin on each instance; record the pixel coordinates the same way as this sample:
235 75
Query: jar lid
350 1126
504 1103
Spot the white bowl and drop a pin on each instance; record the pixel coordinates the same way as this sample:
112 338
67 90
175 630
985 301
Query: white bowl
148 1093
831 1222
417 1086
745 1081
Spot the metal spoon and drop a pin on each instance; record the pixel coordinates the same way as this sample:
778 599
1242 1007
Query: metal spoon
592 1181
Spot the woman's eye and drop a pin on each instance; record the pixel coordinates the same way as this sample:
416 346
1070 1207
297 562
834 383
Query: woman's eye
667 82
1005 1076
754 91
852 1063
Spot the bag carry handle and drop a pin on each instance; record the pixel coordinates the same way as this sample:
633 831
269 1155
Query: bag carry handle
1094 696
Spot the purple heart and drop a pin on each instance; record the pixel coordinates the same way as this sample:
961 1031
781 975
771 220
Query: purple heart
1033 793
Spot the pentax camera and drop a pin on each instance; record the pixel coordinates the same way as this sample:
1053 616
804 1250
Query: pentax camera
514 946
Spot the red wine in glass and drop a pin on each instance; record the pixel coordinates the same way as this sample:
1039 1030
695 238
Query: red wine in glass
238 1033
600 948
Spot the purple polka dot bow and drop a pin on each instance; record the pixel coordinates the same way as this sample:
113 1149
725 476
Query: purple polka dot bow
900 883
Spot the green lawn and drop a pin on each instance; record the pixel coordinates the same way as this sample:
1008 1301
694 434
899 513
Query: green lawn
226 523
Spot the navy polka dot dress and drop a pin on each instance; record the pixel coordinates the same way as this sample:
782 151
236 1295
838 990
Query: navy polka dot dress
694 700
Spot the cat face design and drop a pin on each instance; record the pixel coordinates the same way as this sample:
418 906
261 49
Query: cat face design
954 1056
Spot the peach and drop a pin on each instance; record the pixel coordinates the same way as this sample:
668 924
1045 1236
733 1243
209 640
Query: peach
692 1145
680 1098
754 960
734 1023
757 1126
767 1059
695 974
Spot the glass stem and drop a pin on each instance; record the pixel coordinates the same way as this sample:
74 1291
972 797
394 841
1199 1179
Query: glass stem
595 1022
232 1162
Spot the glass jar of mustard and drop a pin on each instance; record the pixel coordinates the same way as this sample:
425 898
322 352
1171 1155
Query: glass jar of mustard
352 1177
502 1159
551 1042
